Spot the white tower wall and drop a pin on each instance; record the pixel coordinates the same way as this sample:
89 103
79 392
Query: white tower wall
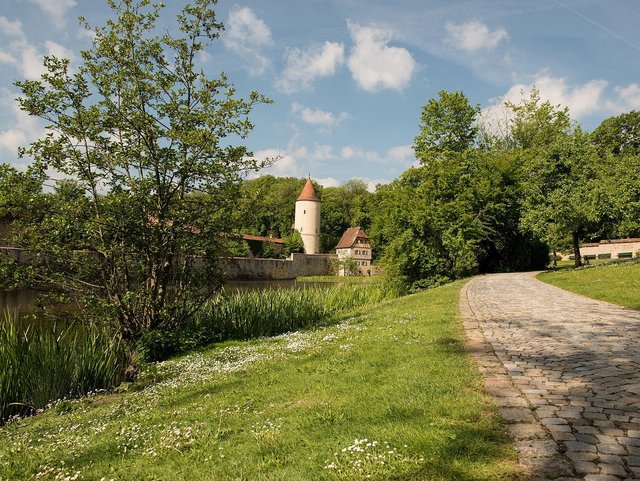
307 222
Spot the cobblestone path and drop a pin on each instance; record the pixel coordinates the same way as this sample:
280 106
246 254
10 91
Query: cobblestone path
566 372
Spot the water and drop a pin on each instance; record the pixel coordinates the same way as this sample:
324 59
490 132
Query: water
22 300
19 300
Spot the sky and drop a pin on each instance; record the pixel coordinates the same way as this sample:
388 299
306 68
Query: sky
348 78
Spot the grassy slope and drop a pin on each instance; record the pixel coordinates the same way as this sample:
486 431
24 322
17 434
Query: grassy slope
286 408
616 283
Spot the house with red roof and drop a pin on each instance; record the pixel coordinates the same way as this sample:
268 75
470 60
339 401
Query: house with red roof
354 244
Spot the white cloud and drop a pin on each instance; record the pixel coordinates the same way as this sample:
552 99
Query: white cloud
373 183
56 10
474 35
628 97
375 65
247 35
582 100
400 155
23 129
328 182
304 66
318 117
27 59
11 29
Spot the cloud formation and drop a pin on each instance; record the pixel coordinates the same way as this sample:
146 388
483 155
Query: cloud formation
247 35
318 118
474 35
9 28
582 100
628 97
305 66
23 129
27 58
56 10
374 65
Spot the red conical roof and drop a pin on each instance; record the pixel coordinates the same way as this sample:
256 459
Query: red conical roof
308 192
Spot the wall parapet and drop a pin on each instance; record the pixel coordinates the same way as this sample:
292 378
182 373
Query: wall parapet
244 268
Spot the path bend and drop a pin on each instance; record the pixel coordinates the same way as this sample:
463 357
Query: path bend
565 370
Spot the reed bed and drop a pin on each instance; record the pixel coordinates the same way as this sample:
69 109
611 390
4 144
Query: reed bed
46 363
271 311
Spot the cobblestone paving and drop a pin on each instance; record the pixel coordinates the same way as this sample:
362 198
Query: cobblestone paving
565 370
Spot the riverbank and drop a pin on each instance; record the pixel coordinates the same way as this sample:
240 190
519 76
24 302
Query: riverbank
388 392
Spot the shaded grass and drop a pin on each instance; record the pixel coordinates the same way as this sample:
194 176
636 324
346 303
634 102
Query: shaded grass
618 283
390 380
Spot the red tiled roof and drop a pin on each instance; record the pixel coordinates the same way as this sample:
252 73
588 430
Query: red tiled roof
275 240
349 237
309 192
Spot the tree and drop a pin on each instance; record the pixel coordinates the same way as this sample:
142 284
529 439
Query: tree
560 185
457 214
448 124
619 135
342 207
141 130
293 243
346 266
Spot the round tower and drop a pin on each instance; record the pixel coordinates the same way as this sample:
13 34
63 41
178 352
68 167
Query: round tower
308 218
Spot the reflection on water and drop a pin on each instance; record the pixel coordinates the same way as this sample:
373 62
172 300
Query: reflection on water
241 286
21 300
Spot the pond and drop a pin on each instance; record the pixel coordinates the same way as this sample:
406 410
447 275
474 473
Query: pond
22 300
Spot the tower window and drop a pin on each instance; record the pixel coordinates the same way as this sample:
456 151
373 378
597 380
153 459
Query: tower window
304 211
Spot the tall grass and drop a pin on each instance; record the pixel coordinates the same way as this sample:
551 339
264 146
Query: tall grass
42 364
271 312
266 312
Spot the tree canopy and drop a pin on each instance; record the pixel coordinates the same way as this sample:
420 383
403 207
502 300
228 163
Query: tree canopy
146 139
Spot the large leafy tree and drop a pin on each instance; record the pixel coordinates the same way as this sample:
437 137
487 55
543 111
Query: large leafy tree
618 142
140 129
458 213
560 171
447 124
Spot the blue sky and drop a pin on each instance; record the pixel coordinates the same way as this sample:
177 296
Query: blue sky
349 77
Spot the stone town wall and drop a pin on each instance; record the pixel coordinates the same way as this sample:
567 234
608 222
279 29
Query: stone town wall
240 268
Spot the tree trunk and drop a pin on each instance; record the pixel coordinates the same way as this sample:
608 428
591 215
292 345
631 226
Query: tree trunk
576 249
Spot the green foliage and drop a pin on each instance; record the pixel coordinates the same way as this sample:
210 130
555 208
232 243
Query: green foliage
293 243
619 135
345 206
447 125
346 265
145 134
455 216
267 207
267 312
42 364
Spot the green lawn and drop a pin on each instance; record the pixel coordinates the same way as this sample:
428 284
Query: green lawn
618 283
387 393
